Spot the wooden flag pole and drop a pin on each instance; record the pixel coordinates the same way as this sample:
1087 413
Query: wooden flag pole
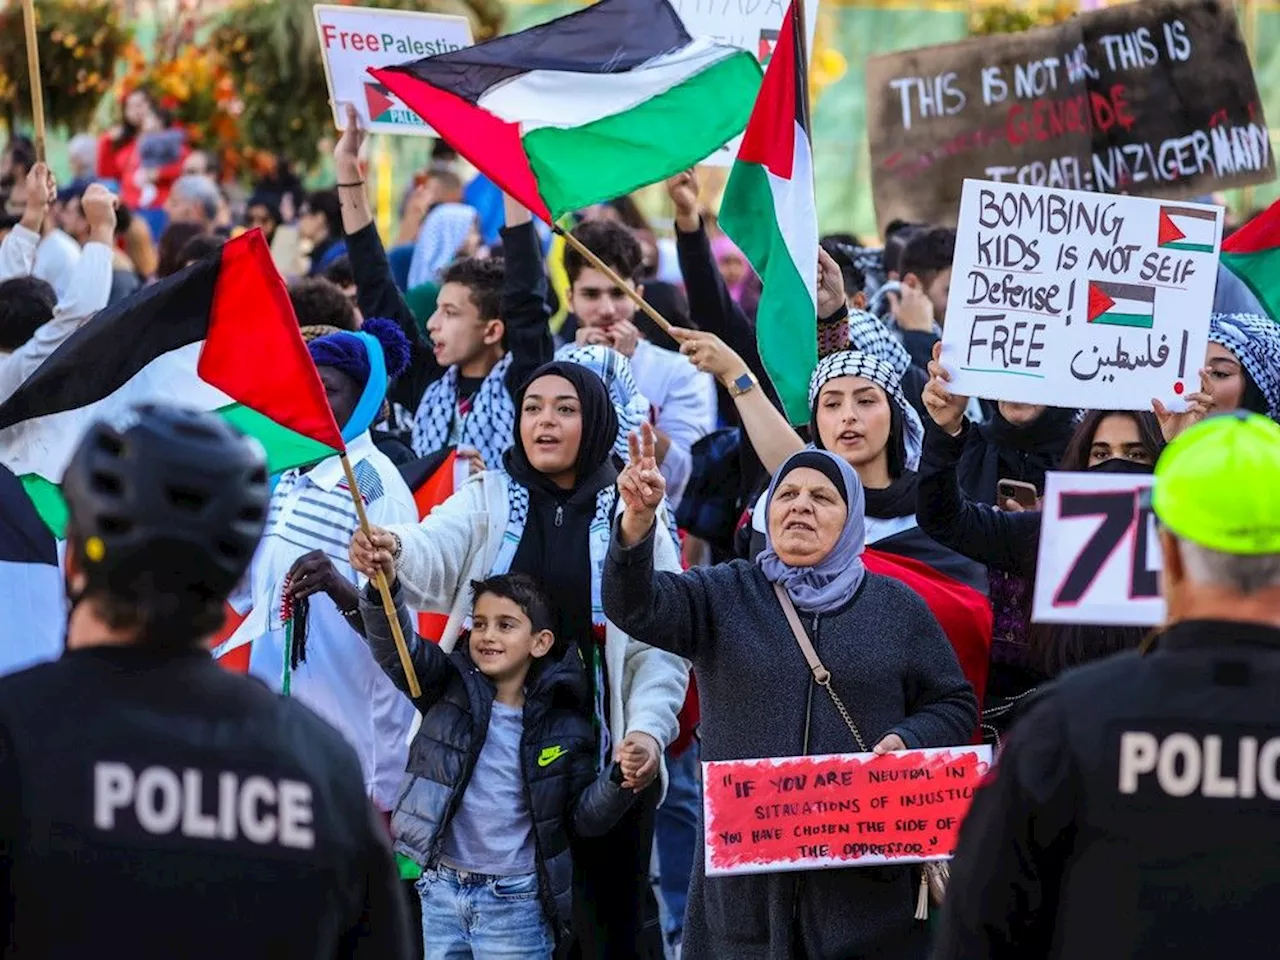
384 588
663 323
33 68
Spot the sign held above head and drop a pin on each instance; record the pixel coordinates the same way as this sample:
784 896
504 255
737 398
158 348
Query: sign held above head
1152 99
1076 299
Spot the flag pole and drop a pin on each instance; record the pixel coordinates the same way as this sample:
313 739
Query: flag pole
801 27
384 588
33 68
663 323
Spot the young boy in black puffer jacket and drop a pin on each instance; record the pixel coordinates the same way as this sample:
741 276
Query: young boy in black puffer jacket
501 770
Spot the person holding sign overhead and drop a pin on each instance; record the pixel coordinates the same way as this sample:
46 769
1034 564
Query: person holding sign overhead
899 682
1133 810
1007 538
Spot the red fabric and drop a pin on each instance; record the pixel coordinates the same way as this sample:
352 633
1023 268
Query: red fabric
1259 234
963 612
122 165
435 490
770 137
492 145
690 716
254 351
237 661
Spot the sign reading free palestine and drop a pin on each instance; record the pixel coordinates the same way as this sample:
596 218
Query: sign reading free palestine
353 39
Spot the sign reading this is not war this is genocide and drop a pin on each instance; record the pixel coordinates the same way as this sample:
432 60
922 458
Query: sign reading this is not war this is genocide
839 810
353 39
1076 299
1153 98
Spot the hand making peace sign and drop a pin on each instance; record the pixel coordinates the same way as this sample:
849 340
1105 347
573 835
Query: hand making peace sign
641 486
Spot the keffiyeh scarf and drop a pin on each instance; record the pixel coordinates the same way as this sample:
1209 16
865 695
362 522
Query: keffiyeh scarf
489 425
854 363
868 335
615 370
1255 340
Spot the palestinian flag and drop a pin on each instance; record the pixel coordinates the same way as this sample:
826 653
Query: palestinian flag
432 480
1252 253
586 107
1121 304
220 335
1188 228
769 211
31 590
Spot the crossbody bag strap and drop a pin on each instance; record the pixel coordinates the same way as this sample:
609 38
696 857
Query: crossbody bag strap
821 675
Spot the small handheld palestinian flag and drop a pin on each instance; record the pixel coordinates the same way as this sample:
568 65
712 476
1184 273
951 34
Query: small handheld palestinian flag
586 107
1252 253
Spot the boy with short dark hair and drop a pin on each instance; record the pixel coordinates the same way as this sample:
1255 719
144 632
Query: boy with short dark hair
682 398
501 771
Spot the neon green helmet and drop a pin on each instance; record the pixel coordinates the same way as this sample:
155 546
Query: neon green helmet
1218 485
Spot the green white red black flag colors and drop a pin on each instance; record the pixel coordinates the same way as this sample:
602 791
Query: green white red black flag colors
769 211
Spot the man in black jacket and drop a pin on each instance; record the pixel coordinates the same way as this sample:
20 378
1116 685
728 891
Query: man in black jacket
150 801
1132 813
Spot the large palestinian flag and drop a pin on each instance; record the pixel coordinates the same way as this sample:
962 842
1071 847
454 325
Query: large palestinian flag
31 592
769 211
1252 253
220 335
586 107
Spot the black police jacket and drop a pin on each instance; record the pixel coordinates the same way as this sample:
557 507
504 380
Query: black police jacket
1133 812
157 805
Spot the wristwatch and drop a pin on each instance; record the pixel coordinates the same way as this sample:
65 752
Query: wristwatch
742 385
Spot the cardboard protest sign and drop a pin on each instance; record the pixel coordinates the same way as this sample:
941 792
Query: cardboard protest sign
353 39
841 810
1078 299
1154 99
1099 559
747 24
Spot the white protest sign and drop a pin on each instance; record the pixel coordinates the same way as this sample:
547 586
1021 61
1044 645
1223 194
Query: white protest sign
1077 299
1099 560
747 24
353 39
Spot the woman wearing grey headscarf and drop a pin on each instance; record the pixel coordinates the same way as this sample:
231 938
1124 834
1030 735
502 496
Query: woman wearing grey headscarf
890 664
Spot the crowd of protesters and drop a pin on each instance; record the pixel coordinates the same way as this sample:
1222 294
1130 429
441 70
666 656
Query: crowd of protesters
610 582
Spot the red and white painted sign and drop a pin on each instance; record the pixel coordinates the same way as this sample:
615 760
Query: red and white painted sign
841 810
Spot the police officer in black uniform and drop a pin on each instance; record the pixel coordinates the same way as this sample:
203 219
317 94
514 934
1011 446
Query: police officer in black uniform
1135 811
151 803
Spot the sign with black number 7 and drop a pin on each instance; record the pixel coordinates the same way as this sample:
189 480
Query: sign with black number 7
1099 560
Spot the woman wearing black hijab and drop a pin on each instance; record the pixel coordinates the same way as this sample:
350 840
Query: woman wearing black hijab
549 513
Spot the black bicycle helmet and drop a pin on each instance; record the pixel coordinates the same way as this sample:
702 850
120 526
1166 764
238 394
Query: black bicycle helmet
167 505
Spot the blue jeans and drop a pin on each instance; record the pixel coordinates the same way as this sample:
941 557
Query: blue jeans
676 834
474 915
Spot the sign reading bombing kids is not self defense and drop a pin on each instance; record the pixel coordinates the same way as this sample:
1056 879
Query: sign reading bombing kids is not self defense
1154 98
353 39
1077 299
840 810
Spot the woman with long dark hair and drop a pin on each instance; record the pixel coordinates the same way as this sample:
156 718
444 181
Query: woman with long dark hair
1024 655
144 154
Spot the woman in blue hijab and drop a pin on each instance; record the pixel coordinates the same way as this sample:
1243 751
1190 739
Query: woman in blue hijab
890 663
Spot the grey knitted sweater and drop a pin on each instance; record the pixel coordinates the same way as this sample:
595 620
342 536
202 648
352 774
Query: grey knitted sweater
891 665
